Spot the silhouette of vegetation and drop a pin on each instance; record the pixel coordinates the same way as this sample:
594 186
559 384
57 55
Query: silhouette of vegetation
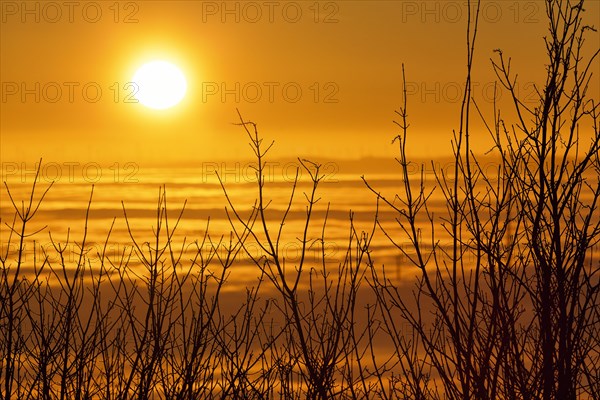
508 307
505 303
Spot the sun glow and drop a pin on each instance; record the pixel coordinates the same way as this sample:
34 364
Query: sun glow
160 85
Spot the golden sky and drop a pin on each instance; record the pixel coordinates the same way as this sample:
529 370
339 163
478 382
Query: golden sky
343 57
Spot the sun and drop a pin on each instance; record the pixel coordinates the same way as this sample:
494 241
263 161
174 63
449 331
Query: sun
159 85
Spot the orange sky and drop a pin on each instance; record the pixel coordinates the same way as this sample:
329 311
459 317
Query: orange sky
349 52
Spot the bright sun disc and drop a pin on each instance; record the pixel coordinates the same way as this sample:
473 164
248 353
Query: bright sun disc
160 85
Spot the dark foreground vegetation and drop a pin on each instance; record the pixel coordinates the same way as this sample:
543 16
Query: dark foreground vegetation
505 306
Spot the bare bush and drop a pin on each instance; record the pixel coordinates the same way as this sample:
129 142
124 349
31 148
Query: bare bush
508 307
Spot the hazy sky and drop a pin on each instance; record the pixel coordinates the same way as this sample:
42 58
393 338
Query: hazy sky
320 78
